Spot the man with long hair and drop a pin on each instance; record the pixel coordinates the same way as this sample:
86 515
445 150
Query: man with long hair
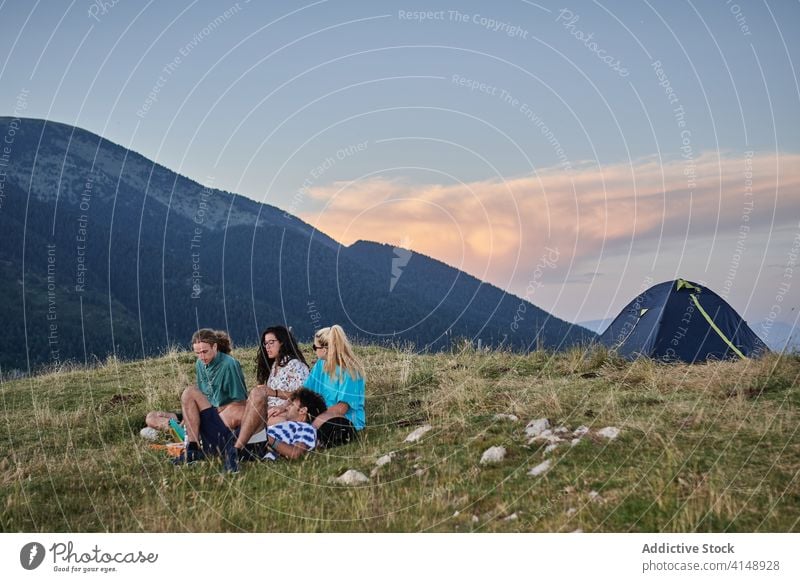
215 406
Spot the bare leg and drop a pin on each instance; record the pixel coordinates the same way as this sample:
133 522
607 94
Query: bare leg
159 420
254 417
233 413
193 402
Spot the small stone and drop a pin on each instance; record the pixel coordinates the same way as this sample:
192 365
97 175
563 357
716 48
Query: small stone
493 455
511 517
508 417
571 511
419 472
457 513
561 430
475 519
540 468
574 442
550 448
417 434
609 432
542 438
385 459
595 496
580 431
579 530
149 433
536 427
352 477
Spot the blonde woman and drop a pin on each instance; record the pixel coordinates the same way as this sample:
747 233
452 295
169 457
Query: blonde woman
338 376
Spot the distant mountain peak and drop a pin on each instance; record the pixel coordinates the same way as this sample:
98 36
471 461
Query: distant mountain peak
71 163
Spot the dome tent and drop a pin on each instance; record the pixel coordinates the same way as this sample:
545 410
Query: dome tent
681 321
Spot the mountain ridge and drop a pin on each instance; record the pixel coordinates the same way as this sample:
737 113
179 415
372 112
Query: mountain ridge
155 181
109 244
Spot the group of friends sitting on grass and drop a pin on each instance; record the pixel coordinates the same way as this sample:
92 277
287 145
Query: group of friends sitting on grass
290 411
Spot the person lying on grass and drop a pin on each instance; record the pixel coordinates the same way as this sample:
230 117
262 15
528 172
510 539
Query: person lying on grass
338 377
290 439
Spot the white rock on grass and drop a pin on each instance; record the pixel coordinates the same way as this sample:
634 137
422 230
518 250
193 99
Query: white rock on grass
609 432
536 427
561 430
580 431
512 517
475 519
385 459
352 477
546 437
550 448
417 434
595 496
540 468
571 511
508 417
149 433
574 442
493 455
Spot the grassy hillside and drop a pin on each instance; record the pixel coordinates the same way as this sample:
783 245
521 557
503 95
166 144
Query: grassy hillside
710 447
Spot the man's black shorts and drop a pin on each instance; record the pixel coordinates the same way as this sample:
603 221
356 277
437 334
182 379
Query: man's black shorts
213 432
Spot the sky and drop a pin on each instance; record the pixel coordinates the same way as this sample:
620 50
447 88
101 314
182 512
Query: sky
572 153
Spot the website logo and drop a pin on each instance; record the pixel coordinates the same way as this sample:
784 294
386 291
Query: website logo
31 555
402 255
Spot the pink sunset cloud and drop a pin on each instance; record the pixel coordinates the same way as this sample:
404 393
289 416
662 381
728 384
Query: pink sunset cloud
489 228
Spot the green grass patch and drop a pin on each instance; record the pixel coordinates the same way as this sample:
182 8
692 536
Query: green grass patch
707 448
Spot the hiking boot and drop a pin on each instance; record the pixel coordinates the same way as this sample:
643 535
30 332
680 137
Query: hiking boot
231 459
189 457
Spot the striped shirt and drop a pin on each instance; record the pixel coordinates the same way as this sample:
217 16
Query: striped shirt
292 432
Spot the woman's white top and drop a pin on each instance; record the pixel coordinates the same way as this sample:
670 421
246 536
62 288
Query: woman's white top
288 378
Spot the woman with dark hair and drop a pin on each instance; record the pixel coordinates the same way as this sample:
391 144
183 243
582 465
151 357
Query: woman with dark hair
280 367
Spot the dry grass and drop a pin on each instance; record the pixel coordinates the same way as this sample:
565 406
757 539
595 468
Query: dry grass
711 447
